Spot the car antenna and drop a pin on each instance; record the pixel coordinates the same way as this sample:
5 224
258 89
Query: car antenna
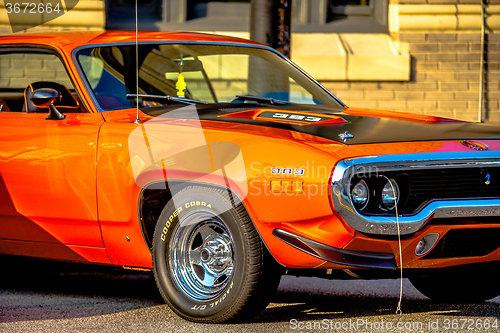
137 120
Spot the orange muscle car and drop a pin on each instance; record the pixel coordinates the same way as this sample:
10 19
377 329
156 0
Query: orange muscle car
220 165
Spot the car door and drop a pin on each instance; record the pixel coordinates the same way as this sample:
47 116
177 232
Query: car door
48 205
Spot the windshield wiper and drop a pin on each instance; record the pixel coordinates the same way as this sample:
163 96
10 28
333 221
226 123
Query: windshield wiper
260 99
167 97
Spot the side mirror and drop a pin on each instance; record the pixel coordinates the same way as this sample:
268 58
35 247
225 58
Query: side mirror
46 97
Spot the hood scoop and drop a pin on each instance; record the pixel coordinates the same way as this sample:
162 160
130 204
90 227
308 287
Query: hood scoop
287 117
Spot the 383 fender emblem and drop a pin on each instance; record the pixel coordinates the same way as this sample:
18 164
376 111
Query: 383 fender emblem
287 171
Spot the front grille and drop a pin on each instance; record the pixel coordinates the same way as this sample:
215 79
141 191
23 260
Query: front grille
451 183
462 243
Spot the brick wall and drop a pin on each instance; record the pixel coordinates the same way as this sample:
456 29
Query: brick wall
444 78
19 70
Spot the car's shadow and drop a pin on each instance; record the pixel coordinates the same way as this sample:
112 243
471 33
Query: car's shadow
41 290
309 299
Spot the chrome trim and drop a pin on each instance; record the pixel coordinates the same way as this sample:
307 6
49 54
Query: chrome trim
386 225
430 241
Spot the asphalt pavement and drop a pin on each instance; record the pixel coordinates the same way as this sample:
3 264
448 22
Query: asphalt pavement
40 296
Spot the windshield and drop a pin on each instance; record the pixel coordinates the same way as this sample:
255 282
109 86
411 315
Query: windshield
197 73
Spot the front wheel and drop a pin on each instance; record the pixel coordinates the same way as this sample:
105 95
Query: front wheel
474 284
209 262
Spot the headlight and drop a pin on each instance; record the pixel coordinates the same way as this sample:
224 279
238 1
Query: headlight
390 194
360 195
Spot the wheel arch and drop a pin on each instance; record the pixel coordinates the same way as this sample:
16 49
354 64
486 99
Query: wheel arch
155 195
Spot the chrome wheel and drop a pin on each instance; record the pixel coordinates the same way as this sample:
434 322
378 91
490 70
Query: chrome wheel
201 255
209 262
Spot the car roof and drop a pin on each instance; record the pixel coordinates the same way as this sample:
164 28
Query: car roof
68 41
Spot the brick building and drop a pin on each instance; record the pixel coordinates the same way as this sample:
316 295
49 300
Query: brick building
444 43
421 56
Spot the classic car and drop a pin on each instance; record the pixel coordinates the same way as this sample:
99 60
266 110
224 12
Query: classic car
220 165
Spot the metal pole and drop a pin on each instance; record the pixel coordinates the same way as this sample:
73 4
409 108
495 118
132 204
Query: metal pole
270 23
481 67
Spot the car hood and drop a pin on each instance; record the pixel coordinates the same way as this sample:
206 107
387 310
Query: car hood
363 126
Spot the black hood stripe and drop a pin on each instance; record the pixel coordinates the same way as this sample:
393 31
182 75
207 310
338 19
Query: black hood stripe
365 130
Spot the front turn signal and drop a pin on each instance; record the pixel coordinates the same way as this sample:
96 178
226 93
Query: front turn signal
287 186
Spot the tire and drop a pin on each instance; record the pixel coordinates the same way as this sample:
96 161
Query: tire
208 260
474 284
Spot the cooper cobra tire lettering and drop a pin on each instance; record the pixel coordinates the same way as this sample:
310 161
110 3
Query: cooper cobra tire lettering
169 222
203 230
197 203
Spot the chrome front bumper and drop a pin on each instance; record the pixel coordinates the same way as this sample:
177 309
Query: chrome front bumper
386 225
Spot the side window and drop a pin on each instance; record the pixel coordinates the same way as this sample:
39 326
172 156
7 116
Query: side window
105 72
19 69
